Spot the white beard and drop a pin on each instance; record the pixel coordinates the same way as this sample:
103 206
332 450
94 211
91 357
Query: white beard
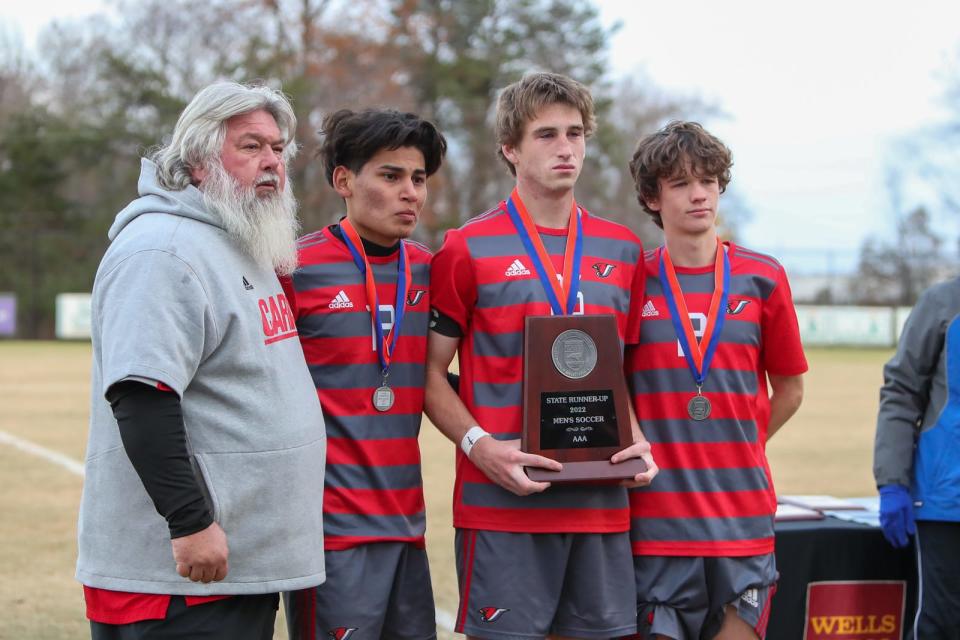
266 228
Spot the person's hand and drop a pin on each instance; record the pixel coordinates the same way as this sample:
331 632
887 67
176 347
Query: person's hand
202 556
639 449
503 462
896 514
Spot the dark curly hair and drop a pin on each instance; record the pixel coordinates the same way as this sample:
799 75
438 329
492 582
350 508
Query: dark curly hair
351 138
665 154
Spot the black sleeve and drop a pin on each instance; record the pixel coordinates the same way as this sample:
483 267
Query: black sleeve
444 325
454 381
151 428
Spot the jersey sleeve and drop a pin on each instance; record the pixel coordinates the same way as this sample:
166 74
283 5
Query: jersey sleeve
907 379
453 284
291 293
155 321
637 292
782 351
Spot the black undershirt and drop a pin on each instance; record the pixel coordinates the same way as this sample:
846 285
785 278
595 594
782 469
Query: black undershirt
444 324
154 438
371 248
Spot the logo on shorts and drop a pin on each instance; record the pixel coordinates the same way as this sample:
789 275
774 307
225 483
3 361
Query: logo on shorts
734 307
491 614
341 633
751 597
603 269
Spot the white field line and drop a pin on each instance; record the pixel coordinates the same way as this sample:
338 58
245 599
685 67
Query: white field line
445 620
49 455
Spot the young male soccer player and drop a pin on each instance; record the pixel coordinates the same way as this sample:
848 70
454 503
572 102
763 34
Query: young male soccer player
361 302
718 322
532 559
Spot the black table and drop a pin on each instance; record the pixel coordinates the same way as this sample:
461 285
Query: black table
832 549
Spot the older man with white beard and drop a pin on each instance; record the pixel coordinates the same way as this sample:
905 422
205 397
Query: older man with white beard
205 459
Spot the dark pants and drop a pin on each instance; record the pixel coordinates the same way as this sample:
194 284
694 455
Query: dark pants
237 618
938 551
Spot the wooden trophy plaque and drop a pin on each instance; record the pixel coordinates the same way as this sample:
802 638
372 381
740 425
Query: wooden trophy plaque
575 399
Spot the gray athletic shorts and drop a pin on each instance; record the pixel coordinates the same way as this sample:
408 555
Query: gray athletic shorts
528 585
373 591
685 598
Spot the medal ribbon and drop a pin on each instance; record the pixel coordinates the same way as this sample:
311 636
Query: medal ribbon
556 290
385 345
698 359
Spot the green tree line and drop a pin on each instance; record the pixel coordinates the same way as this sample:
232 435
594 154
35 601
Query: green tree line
99 92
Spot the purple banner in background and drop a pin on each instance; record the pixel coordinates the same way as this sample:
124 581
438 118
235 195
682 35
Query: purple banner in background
8 314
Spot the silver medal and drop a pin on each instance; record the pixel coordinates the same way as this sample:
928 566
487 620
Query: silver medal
699 408
574 354
383 398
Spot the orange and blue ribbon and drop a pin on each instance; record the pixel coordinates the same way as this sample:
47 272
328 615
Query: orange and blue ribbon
385 345
557 289
698 359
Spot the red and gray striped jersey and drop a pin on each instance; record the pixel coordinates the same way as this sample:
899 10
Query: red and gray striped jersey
373 490
714 494
484 280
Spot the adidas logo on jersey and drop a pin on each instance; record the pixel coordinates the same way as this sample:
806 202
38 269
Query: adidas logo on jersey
517 269
649 311
341 301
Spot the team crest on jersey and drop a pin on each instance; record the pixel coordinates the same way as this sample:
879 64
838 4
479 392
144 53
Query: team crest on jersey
341 633
491 614
415 296
603 269
734 307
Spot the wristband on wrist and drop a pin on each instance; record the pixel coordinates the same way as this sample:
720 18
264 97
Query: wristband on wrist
473 434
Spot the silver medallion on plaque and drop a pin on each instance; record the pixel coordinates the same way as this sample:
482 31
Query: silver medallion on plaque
699 408
383 398
574 354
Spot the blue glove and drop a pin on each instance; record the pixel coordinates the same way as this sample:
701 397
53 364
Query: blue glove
896 514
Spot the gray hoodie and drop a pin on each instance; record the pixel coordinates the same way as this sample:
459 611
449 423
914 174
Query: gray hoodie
176 301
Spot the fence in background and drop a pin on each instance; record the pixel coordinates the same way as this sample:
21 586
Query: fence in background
820 325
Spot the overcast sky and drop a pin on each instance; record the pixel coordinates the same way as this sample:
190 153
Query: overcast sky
814 93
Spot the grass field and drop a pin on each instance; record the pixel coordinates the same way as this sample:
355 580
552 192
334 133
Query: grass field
44 393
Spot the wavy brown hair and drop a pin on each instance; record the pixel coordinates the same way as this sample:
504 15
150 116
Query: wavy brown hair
665 154
520 102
